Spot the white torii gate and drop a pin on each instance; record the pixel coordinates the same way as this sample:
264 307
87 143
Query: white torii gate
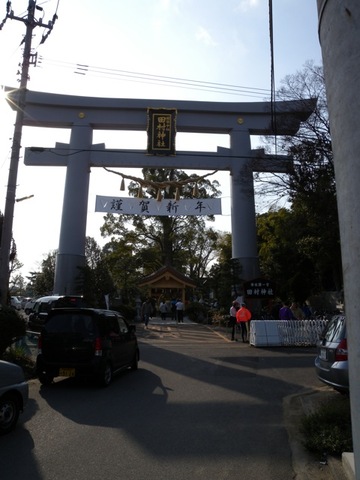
85 114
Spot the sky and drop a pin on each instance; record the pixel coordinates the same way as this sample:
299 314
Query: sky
125 43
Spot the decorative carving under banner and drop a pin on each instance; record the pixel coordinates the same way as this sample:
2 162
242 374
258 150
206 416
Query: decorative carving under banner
161 131
151 206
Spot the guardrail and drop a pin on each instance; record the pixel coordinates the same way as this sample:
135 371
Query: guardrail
283 333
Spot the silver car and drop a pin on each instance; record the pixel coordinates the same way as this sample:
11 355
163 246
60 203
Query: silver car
14 394
331 363
29 305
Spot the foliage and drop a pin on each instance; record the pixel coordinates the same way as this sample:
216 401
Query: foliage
197 312
282 258
124 266
15 280
310 149
221 280
328 430
301 246
18 356
127 311
218 318
95 276
150 242
42 283
93 279
12 326
297 257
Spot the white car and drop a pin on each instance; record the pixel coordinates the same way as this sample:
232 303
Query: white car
14 394
15 303
24 301
29 305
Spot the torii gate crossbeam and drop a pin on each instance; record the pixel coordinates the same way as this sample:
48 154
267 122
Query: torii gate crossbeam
84 114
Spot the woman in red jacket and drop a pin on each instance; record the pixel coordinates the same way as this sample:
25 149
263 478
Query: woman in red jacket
243 317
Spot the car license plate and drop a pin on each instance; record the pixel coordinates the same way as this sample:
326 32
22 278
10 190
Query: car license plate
67 372
323 354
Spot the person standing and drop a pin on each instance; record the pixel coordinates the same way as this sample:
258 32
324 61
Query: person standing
306 311
232 322
285 313
146 311
163 310
296 311
243 317
179 311
173 309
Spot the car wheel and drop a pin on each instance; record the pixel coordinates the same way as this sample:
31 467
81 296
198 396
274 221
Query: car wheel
45 378
106 376
9 413
135 363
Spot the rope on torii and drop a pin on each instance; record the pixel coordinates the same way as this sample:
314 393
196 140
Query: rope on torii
162 185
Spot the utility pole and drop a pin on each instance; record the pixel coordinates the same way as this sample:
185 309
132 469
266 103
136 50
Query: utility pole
339 34
6 235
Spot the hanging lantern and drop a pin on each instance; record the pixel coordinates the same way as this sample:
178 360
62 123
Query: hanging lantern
122 185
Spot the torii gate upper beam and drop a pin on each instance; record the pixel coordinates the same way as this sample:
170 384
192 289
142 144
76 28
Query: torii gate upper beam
62 111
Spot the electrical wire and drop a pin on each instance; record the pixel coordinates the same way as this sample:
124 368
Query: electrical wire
272 74
272 62
116 74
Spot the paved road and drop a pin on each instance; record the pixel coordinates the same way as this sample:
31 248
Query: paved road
200 407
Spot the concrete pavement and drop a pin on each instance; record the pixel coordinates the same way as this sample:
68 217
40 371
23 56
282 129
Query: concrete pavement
295 407
306 465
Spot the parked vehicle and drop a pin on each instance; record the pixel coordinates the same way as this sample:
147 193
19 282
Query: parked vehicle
78 342
331 363
43 305
15 303
29 305
14 394
24 301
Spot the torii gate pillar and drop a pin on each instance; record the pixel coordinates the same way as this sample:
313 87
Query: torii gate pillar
243 224
83 114
71 252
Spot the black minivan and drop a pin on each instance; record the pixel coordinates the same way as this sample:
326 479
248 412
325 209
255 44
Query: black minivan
78 342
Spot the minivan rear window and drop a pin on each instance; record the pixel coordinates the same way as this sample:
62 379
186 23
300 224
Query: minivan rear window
71 323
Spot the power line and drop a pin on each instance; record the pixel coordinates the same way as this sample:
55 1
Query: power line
176 82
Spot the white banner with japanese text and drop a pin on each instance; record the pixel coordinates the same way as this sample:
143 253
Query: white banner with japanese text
151 206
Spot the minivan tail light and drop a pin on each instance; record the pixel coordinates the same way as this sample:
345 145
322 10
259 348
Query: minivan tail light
341 353
98 347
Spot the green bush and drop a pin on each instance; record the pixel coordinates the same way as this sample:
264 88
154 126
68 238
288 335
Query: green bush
20 357
12 326
218 317
328 430
197 312
127 311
